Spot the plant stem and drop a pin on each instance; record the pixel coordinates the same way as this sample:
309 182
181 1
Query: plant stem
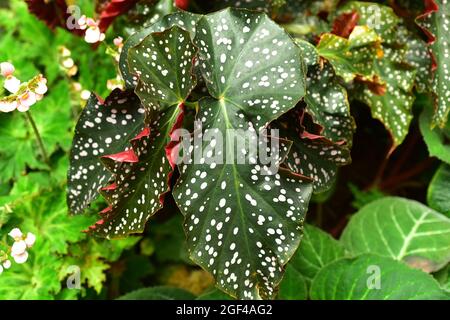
38 137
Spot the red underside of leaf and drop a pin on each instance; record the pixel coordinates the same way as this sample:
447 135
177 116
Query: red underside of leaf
98 223
430 8
53 13
124 156
112 10
344 24
142 134
173 147
182 4
112 186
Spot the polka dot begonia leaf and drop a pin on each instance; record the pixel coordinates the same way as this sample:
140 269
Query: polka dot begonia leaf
163 62
243 220
140 184
103 128
436 23
311 154
328 104
185 20
393 107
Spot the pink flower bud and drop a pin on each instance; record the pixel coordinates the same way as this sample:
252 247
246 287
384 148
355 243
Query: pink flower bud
6 69
30 239
26 100
16 234
118 41
41 88
7 264
93 35
18 247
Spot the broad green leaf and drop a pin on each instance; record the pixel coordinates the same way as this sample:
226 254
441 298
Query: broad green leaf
163 62
214 294
138 185
243 226
182 19
311 155
103 129
158 293
351 57
435 138
393 107
437 23
438 195
309 52
316 250
372 277
326 100
293 286
402 229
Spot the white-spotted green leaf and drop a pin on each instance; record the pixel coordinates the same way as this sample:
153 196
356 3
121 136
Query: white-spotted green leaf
372 277
392 106
402 229
243 225
251 62
311 155
185 20
353 56
139 186
437 24
316 250
438 195
163 62
103 128
380 18
326 101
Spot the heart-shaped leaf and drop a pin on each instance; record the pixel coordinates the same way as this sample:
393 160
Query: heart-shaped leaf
403 230
372 277
241 225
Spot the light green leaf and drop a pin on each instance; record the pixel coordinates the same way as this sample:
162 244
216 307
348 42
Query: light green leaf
351 57
402 229
372 277
293 286
158 293
436 138
438 195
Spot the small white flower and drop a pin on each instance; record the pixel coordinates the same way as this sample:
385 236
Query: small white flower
6 69
41 88
12 84
7 264
18 248
8 106
30 239
26 101
82 22
68 63
20 258
93 35
16 234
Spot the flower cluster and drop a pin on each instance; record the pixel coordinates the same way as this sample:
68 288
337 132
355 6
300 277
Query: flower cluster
92 33
66 62
23 95
18 250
